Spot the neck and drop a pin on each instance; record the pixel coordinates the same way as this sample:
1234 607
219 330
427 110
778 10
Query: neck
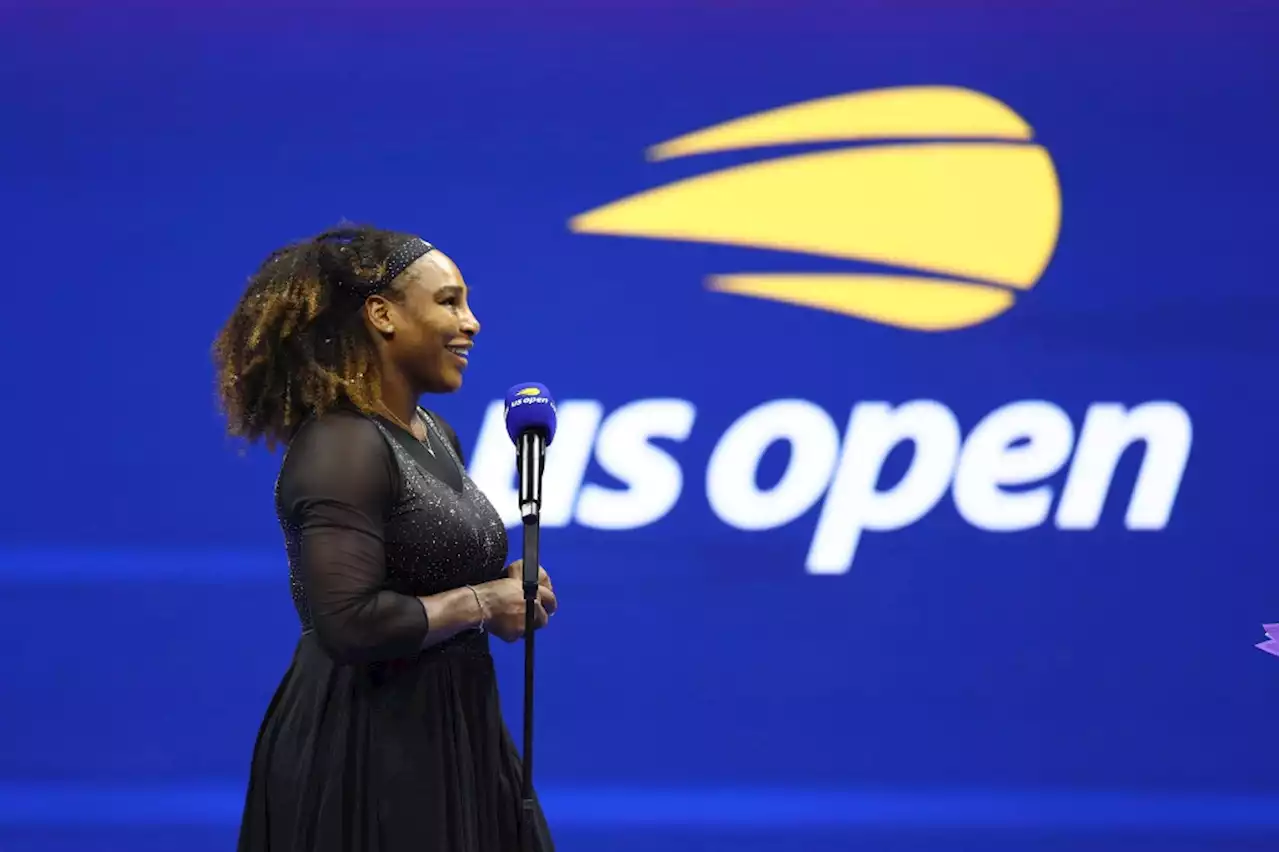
399 398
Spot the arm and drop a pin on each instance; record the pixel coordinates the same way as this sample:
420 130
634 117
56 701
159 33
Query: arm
337 485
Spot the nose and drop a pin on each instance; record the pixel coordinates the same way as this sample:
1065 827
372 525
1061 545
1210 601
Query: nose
470 325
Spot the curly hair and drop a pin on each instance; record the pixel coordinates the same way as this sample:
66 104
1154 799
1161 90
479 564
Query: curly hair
296 344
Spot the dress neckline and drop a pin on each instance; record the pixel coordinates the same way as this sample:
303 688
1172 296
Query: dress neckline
435 459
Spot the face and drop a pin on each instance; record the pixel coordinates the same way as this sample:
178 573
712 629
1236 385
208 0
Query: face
426 328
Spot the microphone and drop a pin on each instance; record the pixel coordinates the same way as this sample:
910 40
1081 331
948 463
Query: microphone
530 414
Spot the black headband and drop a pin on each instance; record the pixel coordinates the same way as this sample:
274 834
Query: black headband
399 260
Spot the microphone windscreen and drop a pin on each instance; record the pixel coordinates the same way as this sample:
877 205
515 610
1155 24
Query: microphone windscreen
529 407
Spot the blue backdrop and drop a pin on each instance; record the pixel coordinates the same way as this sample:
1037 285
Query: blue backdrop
966 548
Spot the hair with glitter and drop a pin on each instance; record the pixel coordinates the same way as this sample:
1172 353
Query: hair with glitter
296 344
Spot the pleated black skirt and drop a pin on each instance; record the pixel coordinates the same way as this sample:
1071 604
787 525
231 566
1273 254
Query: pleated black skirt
403 756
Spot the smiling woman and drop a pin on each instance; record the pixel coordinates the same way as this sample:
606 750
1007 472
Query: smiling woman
385 733
319 319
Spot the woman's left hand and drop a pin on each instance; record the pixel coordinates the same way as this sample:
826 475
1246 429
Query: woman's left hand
516 572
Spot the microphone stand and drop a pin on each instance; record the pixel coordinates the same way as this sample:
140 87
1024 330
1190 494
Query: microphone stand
531 450
531 530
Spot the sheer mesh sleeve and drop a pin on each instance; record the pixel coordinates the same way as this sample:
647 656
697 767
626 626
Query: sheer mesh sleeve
337 485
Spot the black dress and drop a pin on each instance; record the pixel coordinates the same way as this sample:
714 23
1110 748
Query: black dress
372 744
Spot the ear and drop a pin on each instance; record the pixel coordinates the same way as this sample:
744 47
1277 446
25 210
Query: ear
378 310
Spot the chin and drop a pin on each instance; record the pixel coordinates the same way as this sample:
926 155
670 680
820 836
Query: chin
445 384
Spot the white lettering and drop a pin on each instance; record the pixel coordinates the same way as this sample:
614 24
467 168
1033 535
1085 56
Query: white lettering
653 478
854 504
1108 430
1017 444
997 475
731 472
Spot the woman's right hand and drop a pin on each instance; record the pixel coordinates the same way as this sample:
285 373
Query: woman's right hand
503 603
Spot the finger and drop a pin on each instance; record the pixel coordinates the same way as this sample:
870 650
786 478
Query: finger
516 569
540 615
547 599
544 579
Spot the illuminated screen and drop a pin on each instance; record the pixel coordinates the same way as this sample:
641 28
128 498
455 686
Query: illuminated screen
913 484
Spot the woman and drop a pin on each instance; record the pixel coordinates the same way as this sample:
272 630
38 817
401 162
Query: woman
385 734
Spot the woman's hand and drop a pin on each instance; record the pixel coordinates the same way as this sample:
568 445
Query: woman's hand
503 604
516 572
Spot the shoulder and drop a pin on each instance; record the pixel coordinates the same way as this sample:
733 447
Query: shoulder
341 429
337 447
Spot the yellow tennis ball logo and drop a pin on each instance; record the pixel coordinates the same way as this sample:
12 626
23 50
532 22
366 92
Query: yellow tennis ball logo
946 191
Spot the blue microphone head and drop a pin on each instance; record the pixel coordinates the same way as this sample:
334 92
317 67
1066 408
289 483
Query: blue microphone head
529 407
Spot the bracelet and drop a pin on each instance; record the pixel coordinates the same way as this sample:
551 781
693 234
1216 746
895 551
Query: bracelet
484 613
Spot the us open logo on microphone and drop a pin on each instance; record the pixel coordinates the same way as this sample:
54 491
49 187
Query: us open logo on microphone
530 396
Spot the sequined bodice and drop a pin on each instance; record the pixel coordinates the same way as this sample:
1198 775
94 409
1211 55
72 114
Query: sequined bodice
434 537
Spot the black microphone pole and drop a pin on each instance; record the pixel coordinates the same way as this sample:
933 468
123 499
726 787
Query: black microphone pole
530 455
